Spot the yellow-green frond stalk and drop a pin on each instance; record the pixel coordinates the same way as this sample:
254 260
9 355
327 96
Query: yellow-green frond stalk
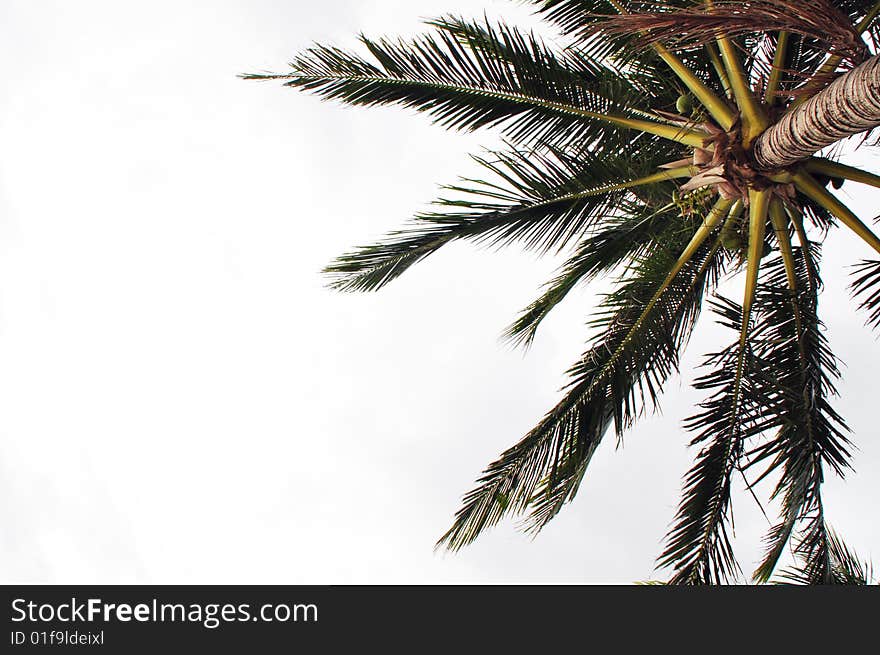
759 202
730 231
836 170
682 135
753 117
797 219
778 67
780 225
807 185
718 65
716 107
713 218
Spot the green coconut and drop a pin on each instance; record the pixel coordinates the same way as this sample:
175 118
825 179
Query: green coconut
684 104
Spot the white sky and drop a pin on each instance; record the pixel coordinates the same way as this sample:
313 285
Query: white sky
181 398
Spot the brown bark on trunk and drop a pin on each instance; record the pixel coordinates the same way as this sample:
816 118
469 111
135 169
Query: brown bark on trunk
849 105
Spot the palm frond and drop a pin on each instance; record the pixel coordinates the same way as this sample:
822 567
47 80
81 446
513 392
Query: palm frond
826 560
817 20
803 67
587 26
795 382
774 74
867 286
576 17
641 335
644 92
698 545
616 241
494 76
542 201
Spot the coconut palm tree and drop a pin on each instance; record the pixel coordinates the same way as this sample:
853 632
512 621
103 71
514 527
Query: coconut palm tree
670 144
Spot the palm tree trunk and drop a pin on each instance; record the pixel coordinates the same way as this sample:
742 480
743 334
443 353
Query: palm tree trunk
849 105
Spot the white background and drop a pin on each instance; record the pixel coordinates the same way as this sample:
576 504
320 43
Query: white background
181 398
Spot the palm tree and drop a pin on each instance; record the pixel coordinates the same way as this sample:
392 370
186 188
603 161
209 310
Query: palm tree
671 144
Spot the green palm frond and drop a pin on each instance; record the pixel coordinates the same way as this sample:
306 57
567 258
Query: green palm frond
638 81
575 16
581 20
795 381
785 386
867 287
823 66
813 550
504 78
616 242
699 547
541 201
804 57
826 560
698 544
619 376
674 316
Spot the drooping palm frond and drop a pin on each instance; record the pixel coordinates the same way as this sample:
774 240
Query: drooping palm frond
579 16
699 548
795 382
541 201
676 318
819 68
817 216
785 386
801 67
826 560
813 549
619 240
643 329
867 287
576 17
806 66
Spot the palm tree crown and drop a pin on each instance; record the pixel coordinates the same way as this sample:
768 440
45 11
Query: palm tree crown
670 143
